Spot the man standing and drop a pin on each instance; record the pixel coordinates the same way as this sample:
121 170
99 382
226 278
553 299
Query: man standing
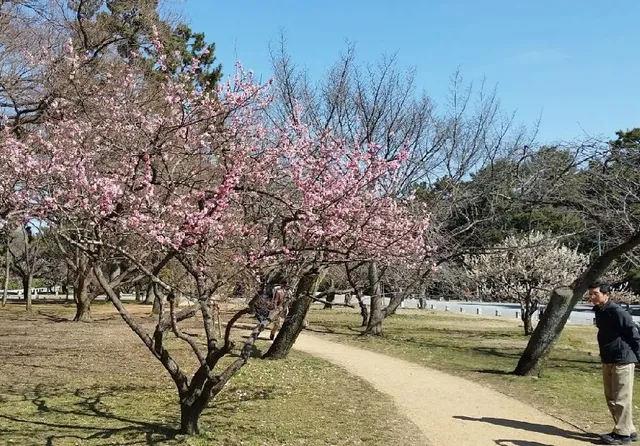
619 343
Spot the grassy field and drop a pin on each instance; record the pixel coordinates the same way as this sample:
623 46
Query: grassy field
485 349
65 383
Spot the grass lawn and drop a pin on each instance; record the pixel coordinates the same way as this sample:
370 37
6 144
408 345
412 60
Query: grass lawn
485 349
65 383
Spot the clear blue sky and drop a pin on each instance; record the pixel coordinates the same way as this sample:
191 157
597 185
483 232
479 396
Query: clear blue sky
574 62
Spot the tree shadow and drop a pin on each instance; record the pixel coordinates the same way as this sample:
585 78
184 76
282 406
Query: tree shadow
320 329
54 317
535 427
495 372
92 415
254 353
520 443
555 362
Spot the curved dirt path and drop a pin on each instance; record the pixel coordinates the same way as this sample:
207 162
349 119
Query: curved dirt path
447 409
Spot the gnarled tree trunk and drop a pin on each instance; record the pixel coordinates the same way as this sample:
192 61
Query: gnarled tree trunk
364 311
294 321
374 325
548 330
190 415
82 298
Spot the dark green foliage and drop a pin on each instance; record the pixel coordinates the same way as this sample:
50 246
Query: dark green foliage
131 25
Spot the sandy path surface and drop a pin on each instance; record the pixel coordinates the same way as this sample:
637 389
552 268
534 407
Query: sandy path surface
447 409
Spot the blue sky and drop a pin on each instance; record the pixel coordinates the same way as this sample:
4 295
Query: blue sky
573 62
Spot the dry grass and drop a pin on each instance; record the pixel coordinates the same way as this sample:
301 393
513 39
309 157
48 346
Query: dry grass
65 383
486 349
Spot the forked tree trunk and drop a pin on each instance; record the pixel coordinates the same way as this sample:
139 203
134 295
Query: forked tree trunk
294 321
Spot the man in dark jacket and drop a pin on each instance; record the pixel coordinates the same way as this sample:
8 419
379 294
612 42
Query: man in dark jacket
619 343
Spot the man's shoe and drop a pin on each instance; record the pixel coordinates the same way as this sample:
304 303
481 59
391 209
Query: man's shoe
634 436
613 438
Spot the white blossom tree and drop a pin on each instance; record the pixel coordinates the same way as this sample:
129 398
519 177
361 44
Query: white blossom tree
524 268
621 293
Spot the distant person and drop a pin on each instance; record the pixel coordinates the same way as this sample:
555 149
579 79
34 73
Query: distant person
619 343
271 296
278 301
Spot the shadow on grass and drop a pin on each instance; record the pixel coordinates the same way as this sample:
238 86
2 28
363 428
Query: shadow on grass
93 415
533 427
255 351
87 418
321 329
495 372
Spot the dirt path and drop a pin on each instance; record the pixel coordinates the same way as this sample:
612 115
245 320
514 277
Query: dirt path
450 411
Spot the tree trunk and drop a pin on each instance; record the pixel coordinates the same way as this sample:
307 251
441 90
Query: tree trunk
158 304
190 418
329 300
374 326
138 292
527 320
548 331
422 299
154 298
26 289
83 300
151 296
527 308
559 309
364 312
294 321
83 311
7 273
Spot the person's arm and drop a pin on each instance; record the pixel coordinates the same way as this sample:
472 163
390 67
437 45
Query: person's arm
629 331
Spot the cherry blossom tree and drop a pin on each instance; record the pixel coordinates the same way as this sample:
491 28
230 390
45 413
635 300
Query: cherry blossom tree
524 268
144 176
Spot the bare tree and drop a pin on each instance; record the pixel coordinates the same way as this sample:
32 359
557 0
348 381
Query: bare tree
27 262
380 103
